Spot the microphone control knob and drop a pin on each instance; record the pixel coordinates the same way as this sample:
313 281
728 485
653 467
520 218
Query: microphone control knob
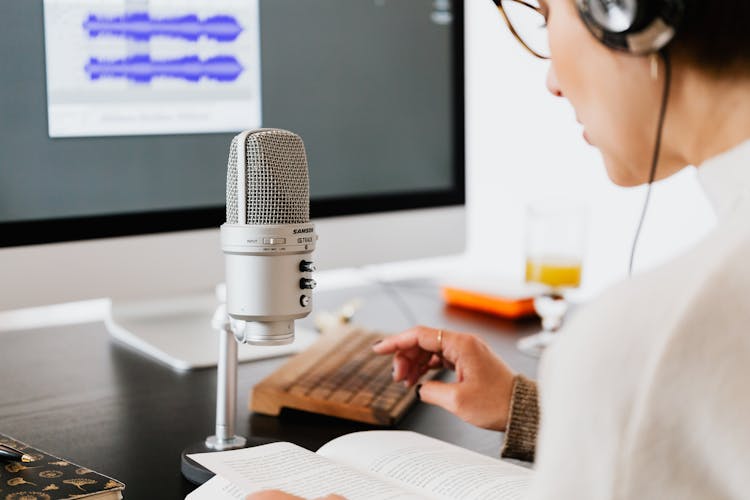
306 266
307 284
304 300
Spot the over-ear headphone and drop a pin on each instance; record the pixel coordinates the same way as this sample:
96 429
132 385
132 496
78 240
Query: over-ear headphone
635 26
639 27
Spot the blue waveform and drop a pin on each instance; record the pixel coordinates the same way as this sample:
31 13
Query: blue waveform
141 26
142 69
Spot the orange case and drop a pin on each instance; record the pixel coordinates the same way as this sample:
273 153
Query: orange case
492 304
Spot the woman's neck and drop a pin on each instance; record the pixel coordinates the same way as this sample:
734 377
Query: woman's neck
707 116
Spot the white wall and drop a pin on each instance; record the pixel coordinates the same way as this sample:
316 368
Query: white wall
524 144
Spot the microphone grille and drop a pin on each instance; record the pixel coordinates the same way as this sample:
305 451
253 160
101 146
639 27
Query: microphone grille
276 179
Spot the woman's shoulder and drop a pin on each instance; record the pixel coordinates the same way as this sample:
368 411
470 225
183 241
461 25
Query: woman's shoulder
680 304
714 273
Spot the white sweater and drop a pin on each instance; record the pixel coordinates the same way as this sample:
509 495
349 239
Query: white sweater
646 394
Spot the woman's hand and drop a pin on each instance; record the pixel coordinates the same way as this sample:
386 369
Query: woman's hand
484 383
280 495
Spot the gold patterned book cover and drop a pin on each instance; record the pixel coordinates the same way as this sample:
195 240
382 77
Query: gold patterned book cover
51 478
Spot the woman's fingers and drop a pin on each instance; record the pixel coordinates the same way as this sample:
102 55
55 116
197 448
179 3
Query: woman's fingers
420 349
280 495
423 337
272 495
483 384
401 366
408 369
436 362
416 371
440 394
400 342
411 364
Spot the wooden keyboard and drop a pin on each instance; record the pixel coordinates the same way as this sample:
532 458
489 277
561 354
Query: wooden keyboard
339 376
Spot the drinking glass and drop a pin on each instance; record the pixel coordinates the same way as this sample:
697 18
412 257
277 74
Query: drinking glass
555 241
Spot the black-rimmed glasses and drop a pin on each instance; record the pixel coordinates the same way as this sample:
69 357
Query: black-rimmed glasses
527 21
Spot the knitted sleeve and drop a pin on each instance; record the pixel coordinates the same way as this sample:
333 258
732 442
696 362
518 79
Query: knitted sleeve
523 421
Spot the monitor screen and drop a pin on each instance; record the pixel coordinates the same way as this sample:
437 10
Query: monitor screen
117 114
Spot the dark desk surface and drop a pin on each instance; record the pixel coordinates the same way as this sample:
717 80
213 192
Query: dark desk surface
74 392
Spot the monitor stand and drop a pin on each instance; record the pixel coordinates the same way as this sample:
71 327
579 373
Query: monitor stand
177 331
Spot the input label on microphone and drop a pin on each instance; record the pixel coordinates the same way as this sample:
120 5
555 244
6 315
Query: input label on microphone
274 241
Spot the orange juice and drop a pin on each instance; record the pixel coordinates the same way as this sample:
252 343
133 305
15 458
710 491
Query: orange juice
554 272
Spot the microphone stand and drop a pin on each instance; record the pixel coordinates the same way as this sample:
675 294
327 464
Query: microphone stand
226 386
226 403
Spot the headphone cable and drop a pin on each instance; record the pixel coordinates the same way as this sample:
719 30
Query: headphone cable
657 148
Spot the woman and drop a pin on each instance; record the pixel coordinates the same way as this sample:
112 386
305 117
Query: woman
642 395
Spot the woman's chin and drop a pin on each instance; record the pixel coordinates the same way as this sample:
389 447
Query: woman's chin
619 173
586 138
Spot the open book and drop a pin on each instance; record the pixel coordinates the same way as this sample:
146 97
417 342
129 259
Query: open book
375 465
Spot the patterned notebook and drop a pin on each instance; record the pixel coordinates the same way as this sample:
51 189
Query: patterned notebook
52 478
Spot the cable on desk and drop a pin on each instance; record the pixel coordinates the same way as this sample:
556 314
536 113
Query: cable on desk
403 306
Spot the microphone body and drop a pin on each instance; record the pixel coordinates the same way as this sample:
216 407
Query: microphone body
268 238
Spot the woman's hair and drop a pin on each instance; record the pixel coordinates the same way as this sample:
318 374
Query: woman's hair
715 36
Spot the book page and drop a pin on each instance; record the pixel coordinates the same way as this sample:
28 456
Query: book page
217 488
295 470
437 469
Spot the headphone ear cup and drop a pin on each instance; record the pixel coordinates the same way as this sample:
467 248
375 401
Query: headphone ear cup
614 16
638 27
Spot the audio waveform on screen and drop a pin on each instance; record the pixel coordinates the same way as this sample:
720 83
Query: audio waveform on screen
142 27
143 69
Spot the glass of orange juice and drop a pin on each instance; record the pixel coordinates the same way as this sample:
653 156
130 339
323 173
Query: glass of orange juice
555 243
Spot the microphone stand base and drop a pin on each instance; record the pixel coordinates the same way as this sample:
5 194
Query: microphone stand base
235 443
195 472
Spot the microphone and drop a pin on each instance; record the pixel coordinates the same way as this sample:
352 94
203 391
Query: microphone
268 238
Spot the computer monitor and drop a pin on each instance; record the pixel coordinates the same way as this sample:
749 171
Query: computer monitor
118 114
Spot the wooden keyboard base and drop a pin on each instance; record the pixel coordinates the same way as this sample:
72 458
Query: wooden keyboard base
337 376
